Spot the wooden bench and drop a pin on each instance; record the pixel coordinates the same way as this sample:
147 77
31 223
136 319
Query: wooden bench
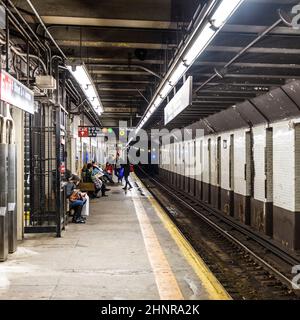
86 186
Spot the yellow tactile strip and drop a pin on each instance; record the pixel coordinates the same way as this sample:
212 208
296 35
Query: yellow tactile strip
166 282
208 280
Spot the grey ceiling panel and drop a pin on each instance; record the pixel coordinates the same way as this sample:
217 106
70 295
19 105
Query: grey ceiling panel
250 113
276 105
226 120
293 91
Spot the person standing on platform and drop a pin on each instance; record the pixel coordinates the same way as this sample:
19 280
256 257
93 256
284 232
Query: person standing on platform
126 168
118 168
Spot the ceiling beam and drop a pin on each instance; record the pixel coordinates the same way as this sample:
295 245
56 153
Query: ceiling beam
253 50
121 89
94 60
109 44
242 84
254 76
213 102
241 28
221 97
121 72
111 23
116 99
250 65
238 92
117 81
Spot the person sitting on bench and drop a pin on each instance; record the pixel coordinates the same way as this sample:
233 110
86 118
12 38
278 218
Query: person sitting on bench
95 176
77 199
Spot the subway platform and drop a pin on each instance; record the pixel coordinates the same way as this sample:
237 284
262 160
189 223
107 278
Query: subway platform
128 249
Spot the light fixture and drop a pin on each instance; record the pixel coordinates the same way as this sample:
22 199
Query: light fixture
201 40
158 101
199 45
152 109
224 12
84 79
165 90
177 74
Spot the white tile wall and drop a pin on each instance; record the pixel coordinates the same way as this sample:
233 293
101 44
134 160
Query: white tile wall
205 173
198 169
214 176
239 162
286 163
297 167
283 166
259 144
225 161
269 165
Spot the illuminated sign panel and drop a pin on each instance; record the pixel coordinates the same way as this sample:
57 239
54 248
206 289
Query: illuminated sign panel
15 93
181 100
89 132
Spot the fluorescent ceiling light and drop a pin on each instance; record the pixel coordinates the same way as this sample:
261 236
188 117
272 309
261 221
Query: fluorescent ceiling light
219 18
200 44
152 109
84 79
158 101
165 90
225 11
177 74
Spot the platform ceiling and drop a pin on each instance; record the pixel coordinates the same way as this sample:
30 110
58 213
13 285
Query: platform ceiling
118 39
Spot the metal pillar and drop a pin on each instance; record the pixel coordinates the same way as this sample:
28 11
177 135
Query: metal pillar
12 198
3 195
57 146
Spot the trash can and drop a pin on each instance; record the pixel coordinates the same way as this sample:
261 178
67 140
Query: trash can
12 199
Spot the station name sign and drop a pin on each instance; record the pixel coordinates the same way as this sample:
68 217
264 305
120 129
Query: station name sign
181 100
15 93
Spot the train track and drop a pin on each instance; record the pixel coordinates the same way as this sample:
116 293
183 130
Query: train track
249 265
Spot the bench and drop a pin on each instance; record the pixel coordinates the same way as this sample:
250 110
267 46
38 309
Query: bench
86 186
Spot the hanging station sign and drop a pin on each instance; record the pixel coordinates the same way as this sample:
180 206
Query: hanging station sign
15 93
181 100
89 132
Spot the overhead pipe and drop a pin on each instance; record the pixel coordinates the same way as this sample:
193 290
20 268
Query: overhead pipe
26 24
250 45
126 66
48 33
10 17
45 28
23 55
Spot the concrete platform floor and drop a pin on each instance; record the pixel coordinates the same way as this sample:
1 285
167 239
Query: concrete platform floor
124 251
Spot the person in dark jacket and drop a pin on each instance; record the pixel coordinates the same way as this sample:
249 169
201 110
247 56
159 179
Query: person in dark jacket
77 199
126 167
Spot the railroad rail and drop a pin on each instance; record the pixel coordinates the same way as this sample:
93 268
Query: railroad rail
232 251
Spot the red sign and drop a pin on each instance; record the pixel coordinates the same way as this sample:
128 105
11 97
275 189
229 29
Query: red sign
15 93
83 132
